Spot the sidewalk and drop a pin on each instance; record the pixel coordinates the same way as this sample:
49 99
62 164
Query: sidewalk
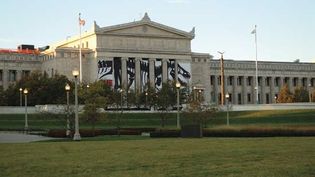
15 137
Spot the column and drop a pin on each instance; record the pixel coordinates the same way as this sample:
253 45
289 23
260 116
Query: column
164 70
281 80
124 72
263 90
272 90
299 84
215 89
234 88
5 79
138 80
290 84
244 90
18 75
151 71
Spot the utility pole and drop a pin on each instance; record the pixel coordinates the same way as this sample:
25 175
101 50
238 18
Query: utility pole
222 79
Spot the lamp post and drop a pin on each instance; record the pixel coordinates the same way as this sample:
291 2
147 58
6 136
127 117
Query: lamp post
194 88
276 99
76 136
227 96
26 121
121 109
177 88
146 99
21 96
309 93
67 88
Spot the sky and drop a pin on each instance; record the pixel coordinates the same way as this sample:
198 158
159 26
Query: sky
285 28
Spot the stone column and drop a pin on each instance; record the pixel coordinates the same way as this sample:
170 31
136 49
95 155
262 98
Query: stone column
5 81
124 72
290 84
164 70
18 75
151 71
215 89
244 92
281 80
272 90
299 84
234 88
263 90
176 70
137 72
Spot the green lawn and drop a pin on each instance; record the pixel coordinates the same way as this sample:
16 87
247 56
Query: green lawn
272 157
244 118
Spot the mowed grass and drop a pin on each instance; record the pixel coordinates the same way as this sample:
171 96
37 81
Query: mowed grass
274 118
272 157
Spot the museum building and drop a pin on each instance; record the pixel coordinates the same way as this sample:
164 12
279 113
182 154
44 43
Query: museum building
141 53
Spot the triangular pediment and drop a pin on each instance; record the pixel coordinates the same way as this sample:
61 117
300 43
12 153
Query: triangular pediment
146 27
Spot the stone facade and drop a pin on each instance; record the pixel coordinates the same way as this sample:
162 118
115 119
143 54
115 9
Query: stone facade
141 53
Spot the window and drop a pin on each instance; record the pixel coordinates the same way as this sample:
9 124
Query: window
1 75
230 80
12 75
259 81
295 82
25 73
87 44
268 81
219 80
239 98
249 98
304 82
239 80
249 81
277 81
212 80
267 98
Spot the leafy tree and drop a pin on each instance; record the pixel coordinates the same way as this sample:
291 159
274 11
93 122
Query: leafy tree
285 96
313 96
165 100
300 95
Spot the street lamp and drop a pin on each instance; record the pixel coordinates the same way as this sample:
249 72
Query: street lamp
227 96
178 87
194 90
146 99
309 92
76 136
21 96
67 88
121 109
26 121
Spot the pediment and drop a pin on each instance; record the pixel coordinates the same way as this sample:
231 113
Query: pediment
146 28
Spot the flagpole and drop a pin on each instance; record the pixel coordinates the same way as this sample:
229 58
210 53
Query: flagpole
257 100
80 52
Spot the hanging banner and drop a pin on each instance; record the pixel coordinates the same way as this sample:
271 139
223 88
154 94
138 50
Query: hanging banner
131 73
105 71
117 73
158 74
184 73
144 74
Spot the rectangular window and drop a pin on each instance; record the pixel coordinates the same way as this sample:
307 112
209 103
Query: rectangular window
268 81
219 80
230 80
12 75
1 75
277 81
249 81
239 98
267 98
294 82
259 81
304 82
212 80
239 80
249 98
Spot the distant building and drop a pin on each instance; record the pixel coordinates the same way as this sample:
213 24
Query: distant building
135 54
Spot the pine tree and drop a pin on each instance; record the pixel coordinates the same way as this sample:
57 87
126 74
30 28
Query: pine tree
285 96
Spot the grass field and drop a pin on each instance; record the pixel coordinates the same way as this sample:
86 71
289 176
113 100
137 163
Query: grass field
244 118
272 157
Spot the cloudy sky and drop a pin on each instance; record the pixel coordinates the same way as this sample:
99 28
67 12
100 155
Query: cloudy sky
285 28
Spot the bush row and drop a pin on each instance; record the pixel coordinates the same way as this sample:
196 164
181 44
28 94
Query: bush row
61 133
245 132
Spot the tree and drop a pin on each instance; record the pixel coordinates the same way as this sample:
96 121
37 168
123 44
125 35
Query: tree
300 95
165 100
285 96
313 96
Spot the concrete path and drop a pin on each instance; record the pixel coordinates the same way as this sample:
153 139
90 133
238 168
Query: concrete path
15 137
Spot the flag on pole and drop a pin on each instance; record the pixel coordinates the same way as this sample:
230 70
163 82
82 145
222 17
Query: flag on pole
254 31
81 21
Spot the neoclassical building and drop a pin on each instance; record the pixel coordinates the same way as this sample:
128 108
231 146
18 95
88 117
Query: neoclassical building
141 53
